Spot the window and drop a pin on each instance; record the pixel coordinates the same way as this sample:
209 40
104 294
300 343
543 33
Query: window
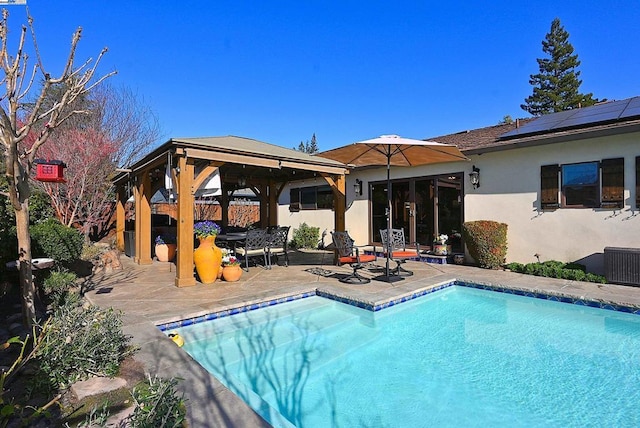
580 185
583 185
311 198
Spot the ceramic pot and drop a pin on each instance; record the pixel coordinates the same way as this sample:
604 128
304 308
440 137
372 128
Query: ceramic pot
441 249
207 258
165 252
231 273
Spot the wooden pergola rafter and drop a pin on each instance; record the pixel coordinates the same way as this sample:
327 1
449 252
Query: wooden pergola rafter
266 168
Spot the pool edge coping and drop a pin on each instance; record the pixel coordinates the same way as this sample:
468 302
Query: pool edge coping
182 321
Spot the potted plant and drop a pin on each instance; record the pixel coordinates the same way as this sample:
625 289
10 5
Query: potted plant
207 257
165 247
231 270
440 247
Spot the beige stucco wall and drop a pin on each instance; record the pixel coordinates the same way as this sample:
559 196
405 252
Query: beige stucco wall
510 191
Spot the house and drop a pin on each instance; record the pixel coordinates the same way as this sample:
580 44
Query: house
566 184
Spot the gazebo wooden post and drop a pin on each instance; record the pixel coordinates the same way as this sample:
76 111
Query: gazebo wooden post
264 204
338 185
184 263
272 190
143 219
121 200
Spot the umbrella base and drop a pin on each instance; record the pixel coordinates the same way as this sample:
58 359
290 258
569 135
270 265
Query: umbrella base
388 278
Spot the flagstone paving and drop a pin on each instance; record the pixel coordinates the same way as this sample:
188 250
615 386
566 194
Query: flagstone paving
148 297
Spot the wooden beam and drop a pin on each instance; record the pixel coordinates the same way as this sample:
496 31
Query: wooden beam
184 263
335 170
205 173
121 200
273 203
339 202
143 219
232 158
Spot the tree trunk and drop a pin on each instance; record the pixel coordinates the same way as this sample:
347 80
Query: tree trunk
24 260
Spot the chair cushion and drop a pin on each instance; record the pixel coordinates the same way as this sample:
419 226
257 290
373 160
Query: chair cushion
276 250
404 254
365 258
241 251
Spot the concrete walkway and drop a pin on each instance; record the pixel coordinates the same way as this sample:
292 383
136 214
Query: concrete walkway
148 297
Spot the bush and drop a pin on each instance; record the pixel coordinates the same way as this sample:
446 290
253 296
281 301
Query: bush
57 288
305 237
556 269
80 342
158 404
486 241
57 241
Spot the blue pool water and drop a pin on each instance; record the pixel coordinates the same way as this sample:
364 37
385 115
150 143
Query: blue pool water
457 357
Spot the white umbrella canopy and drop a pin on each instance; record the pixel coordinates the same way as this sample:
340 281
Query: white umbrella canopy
393 150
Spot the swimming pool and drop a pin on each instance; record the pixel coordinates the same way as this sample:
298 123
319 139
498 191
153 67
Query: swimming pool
457 357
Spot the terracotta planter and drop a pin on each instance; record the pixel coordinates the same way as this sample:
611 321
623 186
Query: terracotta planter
207 258
231 273
166 252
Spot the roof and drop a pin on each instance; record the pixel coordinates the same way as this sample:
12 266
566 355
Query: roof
609 118
475 138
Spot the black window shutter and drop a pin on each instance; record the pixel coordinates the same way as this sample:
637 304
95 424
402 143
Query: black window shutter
612 183
549 186
638 182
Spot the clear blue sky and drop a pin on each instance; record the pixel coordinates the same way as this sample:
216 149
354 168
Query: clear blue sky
279 71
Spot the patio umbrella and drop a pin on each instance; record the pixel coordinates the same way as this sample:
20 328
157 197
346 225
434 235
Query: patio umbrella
392 150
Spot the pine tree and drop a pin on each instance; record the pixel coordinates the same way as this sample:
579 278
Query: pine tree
556 87
308 147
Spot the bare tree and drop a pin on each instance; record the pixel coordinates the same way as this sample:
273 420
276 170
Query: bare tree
18 80
117 130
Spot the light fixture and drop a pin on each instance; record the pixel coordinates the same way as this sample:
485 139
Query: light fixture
474 177
357 187
242 182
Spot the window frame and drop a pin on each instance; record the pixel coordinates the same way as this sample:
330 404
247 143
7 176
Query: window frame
311 198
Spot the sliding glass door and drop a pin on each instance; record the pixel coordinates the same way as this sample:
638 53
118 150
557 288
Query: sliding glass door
424 207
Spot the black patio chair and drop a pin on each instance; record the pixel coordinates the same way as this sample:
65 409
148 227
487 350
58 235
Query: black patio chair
278 244
348 253
255 244
396 247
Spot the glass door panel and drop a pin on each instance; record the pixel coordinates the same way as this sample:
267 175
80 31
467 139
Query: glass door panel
424 212
450 210
401 207
378 210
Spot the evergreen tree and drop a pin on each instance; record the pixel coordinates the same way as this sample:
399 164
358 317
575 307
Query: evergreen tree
556 87
308 147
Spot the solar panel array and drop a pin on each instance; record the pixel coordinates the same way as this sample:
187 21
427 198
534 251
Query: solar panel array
580 117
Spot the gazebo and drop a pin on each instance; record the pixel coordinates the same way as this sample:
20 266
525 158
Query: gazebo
263 167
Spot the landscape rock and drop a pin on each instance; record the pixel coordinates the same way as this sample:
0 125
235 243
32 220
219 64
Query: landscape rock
97 386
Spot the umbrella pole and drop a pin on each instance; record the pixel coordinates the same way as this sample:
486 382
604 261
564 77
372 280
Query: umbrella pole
387 277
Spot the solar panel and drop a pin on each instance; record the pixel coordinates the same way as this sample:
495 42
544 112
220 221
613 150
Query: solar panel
606 112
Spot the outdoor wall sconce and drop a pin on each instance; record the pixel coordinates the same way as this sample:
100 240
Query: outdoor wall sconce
474 177
357 187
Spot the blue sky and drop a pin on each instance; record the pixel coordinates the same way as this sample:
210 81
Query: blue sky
279 71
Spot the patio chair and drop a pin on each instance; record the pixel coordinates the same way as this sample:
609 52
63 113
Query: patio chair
396 247
278 243
349 254
255 244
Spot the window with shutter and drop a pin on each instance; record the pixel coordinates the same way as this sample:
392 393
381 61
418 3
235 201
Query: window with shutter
612 183
549 179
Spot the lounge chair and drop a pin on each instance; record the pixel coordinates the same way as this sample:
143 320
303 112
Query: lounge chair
349 254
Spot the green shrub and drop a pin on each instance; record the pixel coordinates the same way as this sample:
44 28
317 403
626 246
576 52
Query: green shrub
158 404
80 342
55 240
556 269
486 241
305 237
57 288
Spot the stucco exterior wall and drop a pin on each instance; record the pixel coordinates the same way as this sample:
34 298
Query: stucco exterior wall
510 193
